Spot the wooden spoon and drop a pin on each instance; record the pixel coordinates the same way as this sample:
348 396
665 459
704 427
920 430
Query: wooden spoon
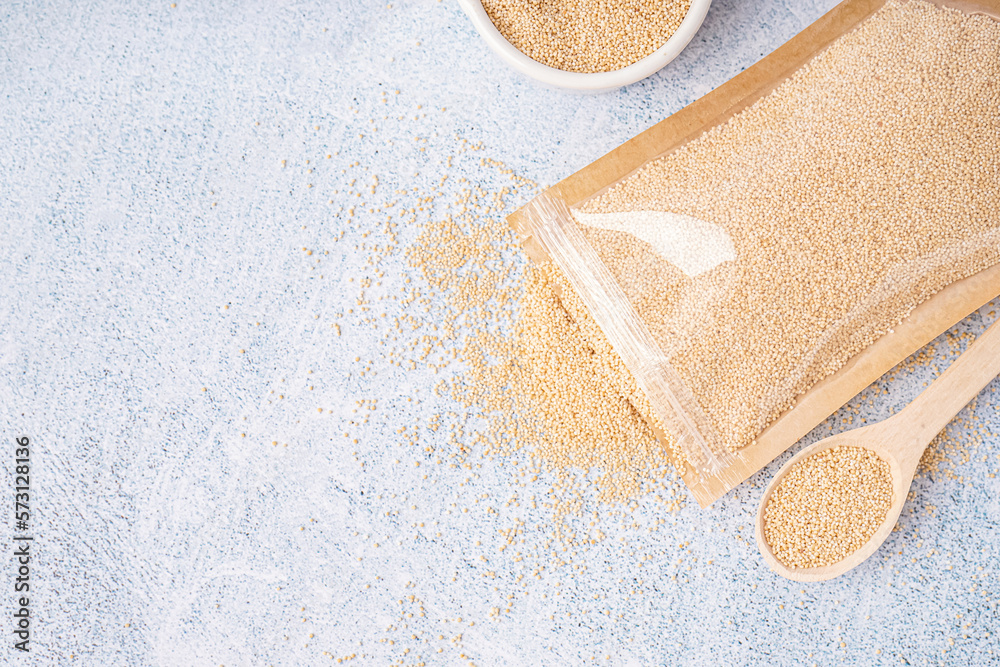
899 441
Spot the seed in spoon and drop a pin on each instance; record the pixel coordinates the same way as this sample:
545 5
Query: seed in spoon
827 506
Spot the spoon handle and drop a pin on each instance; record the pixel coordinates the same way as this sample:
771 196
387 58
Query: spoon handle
937 405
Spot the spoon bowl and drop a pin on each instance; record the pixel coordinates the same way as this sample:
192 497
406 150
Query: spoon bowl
867 438
899 441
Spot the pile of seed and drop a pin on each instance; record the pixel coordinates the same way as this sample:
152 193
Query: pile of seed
587 35
535 364
827 506
858 188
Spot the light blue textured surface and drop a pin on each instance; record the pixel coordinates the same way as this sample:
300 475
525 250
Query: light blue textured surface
148 227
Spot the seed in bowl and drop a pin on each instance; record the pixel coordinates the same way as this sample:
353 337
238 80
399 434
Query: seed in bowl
587 35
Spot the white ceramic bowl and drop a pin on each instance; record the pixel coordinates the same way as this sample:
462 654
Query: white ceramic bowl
578 80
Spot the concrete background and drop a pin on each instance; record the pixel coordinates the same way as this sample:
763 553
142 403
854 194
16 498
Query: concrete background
156 300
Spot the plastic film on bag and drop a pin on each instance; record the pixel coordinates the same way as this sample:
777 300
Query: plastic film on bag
549 221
